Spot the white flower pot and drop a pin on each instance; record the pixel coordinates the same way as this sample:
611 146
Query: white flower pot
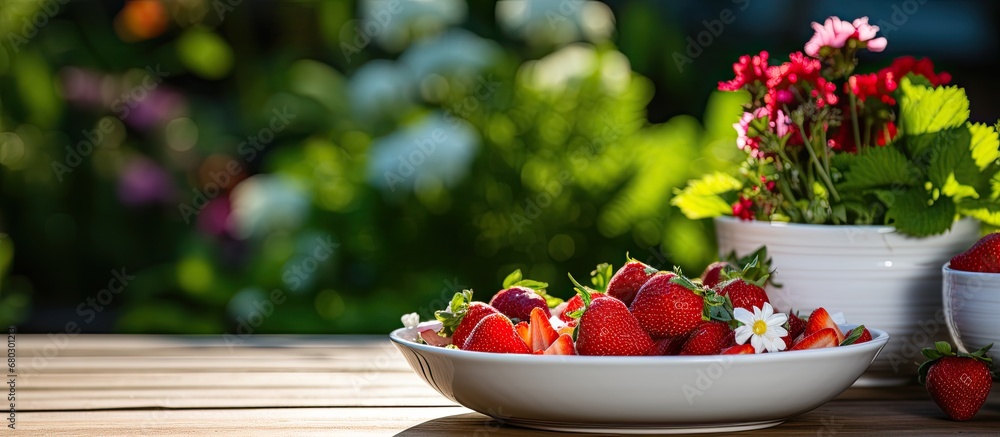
871 274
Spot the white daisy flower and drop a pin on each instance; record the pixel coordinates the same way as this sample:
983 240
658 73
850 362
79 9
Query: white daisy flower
411 320
763 328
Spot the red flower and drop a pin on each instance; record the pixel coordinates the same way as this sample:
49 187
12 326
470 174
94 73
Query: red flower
924 67
748 70
743 208
880 135
879 85
800 74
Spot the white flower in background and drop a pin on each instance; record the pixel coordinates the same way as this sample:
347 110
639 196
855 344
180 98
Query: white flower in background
264 203
762 327
391 23
435 152
411 320
565 67
379 87
556 21
456 51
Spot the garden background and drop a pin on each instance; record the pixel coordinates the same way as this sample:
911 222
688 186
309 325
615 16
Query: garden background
210 166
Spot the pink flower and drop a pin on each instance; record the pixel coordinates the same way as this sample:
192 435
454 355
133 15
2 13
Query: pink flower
781 124
744 141
866 33
749 70
834 32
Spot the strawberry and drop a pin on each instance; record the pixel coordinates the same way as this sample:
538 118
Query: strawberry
574 304
958 383
562 346
984 256
432 338
666 346
795 327
669 305
709 338
519 296
628 280
462 316
606 327
743 294
825 337
524 331
495 333
857 335
540 331
820 319
740 349
713 273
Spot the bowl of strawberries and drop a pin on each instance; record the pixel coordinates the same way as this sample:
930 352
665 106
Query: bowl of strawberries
971 288
638 351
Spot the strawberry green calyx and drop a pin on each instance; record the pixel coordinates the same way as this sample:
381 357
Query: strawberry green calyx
649 270
717 307
853 336
450 317
586 295
515 279
942 349
601 276
753 268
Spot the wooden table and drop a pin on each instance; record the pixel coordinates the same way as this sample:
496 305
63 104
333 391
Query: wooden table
327 385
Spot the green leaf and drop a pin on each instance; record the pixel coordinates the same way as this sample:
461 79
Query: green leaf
947 149
986 211
511 279
878 167
925 110
911 214
450 317
702 198
532 284
601 276
985 144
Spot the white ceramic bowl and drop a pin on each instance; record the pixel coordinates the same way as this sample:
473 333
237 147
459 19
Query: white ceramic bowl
971 308
871 274
668 394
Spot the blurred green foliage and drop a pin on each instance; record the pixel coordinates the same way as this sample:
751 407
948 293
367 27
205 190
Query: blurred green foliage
363 170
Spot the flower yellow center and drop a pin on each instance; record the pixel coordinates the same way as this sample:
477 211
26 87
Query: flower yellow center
759 327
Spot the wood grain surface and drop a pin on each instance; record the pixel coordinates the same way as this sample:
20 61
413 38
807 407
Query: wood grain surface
330 385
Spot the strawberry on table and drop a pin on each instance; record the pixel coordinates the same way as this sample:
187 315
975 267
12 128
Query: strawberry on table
984 256
958 382
669 305
606 327
627 281
709 338
495 333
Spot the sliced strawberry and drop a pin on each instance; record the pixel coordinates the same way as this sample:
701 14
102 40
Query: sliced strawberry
524 331
740 349
562 346
432 338
820 319
495 333
823 338
709 338
541 333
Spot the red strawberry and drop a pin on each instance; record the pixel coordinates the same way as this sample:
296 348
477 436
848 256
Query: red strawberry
541 333
519 296
562 346
984 256
825 337
666 346
744 294
608 328
462 316
740 349
575 303
820 319
628 280
713 273
958 383
495 333
669 305
709 338
524 331
795 327
857 335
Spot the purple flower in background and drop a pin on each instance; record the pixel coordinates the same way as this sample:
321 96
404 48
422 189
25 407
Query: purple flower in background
82 87
144 182
214 218
156 108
